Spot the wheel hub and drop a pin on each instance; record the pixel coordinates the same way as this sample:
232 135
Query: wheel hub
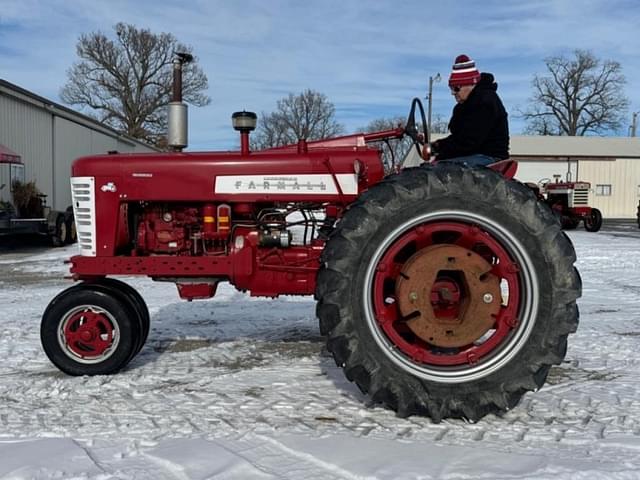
88 334
448 296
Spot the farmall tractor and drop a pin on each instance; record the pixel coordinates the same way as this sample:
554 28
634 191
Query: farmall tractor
442 290
570 202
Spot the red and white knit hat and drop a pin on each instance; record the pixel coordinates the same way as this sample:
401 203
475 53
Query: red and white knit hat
464 72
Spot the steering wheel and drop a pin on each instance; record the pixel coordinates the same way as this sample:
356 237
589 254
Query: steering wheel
412 130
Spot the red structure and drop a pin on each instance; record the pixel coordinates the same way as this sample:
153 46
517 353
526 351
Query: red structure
570 202
443 290
163 223
9 156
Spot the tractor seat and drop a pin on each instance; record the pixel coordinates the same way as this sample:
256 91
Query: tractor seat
507 167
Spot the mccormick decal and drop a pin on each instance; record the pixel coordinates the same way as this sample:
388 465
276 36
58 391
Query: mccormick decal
311 184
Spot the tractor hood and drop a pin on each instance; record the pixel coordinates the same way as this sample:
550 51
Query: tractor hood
274 175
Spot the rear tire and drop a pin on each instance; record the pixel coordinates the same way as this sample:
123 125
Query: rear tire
593 221
477 214
72 234
88 330
61 234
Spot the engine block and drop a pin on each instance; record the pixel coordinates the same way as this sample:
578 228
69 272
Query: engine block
162 230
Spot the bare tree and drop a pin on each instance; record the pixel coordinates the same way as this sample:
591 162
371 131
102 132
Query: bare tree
541 124
394 150
126 82
439 124
308 115
580 95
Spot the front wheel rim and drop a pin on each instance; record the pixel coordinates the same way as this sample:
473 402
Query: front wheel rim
477 234
88 334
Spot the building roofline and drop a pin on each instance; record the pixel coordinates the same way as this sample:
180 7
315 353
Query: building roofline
554 147
21 94
584 147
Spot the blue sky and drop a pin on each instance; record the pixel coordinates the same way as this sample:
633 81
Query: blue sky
369 57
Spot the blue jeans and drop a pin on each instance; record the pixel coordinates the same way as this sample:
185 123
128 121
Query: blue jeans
477 160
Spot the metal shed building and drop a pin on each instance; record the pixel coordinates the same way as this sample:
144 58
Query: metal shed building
49 136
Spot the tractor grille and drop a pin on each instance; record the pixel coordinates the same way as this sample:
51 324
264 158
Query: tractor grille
581 197
83 194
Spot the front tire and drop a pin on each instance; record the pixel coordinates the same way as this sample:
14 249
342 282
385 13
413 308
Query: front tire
593 221
448 292
89 331
136 302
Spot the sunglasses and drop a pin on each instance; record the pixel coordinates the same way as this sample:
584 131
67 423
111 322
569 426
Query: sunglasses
455 89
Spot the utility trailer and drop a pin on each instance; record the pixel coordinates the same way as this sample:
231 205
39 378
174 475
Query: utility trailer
37 218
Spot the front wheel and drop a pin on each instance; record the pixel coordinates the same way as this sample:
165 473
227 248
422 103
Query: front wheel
135 300
89 331
593 221
448 292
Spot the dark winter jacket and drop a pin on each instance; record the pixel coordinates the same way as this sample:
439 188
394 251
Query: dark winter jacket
477 126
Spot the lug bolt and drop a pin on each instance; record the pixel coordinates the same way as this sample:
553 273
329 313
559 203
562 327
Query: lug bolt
487 298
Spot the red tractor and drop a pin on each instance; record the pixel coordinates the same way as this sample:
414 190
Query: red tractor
570 202
443 290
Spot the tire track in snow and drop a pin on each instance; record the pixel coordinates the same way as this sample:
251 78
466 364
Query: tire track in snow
242 377
274 458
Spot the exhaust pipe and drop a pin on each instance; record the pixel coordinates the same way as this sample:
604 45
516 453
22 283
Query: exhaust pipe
177 115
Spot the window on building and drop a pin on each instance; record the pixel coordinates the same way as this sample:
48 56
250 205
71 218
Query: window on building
17 174
603 190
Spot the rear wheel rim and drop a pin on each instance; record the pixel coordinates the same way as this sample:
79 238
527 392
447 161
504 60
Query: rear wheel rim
88 334
513 323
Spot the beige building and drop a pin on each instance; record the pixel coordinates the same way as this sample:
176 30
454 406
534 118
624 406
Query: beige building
610 164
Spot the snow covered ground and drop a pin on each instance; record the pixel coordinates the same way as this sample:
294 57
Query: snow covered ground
240 388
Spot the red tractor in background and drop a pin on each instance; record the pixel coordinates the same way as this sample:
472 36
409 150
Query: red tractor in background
443 290
570 202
